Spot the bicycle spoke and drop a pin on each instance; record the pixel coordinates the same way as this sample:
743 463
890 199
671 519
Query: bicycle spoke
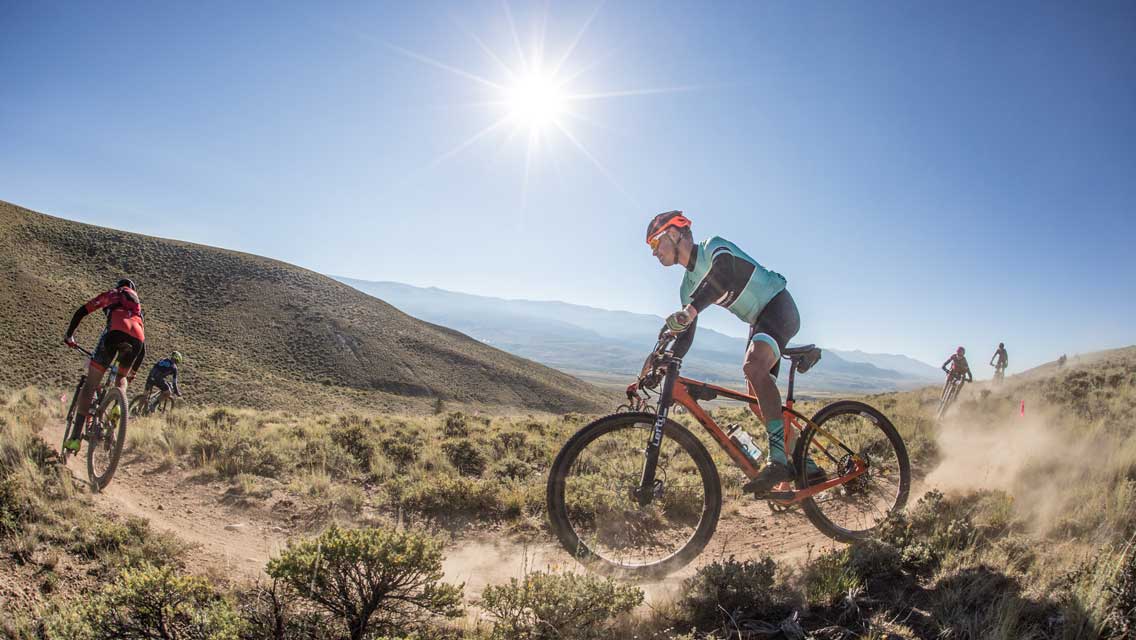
863 501
603 510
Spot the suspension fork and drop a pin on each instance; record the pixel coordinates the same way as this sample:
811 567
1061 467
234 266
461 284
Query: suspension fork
72 411
646 490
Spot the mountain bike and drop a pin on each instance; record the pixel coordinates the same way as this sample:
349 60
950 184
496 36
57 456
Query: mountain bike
637 494
951 389
637 403
153 402
105 431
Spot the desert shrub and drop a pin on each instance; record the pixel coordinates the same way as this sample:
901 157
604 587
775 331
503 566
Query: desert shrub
354 435
511 468
149 603
442 494
828 578
455 425
507 441
222 417
128 544
929 531
373 580
465 456
275 610
558 606
234 448
16 508
874 560
401 450
731 588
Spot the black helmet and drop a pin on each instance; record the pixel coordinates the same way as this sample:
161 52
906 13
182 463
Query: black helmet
125 282
1001 345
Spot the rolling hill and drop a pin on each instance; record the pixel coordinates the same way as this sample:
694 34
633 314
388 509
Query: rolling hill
605 346
257 332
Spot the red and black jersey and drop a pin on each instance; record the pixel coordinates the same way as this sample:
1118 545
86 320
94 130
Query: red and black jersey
123 312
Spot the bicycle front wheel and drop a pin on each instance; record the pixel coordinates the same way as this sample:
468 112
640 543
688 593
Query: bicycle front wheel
105 437
593 509
139 404
845 432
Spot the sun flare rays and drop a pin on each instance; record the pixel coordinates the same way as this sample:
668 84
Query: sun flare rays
535 93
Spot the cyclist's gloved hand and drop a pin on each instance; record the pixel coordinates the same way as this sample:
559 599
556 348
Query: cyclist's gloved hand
678 321
70 341
649 381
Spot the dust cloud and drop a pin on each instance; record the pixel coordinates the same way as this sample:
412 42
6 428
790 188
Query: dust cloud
485 561
1052 467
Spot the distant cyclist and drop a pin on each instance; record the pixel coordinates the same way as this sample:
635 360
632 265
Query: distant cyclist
959 368
123 339
1000 360
718 272
164 368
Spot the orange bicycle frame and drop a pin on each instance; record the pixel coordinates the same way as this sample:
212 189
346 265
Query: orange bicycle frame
793 421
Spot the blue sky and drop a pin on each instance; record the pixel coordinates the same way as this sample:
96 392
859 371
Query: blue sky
925 176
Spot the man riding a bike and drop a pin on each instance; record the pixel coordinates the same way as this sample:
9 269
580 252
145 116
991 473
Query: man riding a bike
123 339
164 368
1000 360
718 272
959 368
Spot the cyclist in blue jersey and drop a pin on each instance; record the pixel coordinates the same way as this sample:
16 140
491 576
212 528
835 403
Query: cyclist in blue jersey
718 272
164 368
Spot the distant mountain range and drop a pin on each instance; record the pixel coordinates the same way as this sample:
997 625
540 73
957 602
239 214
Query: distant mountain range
608 347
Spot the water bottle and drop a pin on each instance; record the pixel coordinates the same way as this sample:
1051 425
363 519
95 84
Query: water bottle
745 443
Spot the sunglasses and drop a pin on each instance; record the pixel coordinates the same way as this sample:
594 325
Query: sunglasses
654 242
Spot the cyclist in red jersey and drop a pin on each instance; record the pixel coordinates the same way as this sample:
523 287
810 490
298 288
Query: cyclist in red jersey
124 339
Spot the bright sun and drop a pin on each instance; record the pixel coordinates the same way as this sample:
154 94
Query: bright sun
535 95
535 101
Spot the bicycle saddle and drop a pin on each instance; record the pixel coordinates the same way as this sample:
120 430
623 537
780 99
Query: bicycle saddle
802 357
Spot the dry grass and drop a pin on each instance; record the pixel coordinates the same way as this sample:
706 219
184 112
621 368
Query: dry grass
1031 537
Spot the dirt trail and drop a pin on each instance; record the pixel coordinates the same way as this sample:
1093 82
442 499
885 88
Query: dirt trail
747 530
234 536
237 537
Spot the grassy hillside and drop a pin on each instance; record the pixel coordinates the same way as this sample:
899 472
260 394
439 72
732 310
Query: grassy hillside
257 332
1026 529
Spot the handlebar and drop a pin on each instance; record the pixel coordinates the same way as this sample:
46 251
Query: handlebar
82 350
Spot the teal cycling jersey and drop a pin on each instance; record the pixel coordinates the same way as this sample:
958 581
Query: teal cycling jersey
721 273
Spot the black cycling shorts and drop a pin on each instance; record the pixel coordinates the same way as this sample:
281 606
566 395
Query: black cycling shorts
120 346
777 323
161 383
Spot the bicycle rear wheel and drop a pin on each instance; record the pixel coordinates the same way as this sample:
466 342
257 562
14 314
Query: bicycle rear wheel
595 515
844 431
105 437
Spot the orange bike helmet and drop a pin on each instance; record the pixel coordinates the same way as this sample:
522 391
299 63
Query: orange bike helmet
664 221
